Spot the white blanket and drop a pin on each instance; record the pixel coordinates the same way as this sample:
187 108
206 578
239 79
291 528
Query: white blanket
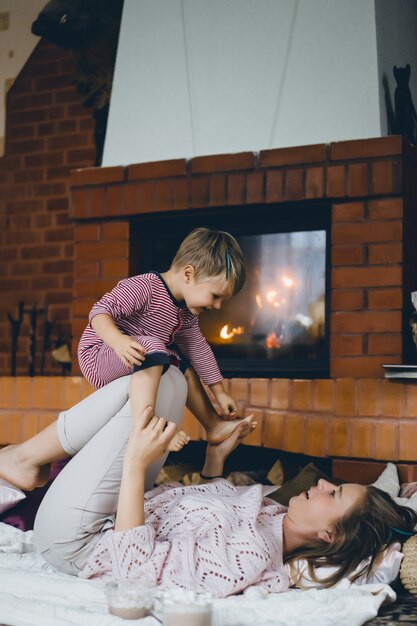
32 593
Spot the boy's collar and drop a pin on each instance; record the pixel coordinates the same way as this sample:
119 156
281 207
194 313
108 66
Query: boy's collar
178 303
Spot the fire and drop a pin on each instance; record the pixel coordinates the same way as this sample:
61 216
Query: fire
225 333
287 281
271 296
273 341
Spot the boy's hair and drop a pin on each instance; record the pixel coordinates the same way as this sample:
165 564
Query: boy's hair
212 253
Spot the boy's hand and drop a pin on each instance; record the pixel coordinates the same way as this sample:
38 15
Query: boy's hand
128 350
228 406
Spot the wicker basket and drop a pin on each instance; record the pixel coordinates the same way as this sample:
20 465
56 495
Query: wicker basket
408 571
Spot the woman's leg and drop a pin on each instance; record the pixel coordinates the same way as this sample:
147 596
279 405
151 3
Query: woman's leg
82 501
21 464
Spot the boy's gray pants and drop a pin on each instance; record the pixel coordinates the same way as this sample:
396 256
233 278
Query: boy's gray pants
82 500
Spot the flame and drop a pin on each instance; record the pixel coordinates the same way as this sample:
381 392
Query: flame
287 281
273 341
271 296
225 333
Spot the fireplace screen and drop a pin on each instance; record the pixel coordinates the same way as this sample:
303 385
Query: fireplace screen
278 324
279 316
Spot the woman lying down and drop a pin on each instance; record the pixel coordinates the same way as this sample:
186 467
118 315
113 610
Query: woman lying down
98 521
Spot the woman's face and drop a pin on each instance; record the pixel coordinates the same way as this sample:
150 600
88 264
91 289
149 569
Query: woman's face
318 509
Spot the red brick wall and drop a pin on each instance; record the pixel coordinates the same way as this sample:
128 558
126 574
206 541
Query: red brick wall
363 419
48 133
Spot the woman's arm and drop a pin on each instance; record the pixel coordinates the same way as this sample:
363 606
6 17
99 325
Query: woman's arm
148 440
130 507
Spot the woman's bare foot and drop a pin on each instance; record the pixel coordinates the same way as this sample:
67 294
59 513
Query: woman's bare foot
222 429
17 469
179 440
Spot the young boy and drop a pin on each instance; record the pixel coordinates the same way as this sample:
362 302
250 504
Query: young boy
149 321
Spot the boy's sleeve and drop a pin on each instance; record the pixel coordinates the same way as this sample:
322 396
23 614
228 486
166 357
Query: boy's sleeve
129 296
193 344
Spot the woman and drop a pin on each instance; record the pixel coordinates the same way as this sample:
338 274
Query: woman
97 522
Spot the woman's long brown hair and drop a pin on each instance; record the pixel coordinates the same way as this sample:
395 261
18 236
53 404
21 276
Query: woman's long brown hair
359 537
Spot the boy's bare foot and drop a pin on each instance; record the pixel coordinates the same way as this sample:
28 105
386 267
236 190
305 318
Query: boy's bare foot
17 470
222 429
179 440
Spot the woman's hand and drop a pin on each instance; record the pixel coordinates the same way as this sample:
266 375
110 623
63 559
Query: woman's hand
148 440
129 351
229 409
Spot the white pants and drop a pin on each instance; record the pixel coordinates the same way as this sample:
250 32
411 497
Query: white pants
82 501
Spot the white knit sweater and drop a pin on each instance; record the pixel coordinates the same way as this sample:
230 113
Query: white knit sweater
213 537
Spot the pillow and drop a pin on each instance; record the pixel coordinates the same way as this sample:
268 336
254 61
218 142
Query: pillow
388 481
410 502
408 489
173 473
385 570
308 476
276 474
9 495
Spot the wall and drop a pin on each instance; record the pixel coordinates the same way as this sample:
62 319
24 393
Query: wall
363 419
49 132
16 44
396 24
195 77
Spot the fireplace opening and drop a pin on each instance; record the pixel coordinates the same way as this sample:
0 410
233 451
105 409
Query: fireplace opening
278 324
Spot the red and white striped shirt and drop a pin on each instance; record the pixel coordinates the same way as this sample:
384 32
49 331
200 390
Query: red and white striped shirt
144 308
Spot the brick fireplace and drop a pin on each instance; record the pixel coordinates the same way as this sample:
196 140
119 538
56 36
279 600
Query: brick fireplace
371 190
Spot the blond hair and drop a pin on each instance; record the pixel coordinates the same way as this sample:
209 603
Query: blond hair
212 253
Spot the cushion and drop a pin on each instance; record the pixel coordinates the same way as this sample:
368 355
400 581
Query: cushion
408 489
173 473
308 476
388 481
9 495
385 570
276 474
